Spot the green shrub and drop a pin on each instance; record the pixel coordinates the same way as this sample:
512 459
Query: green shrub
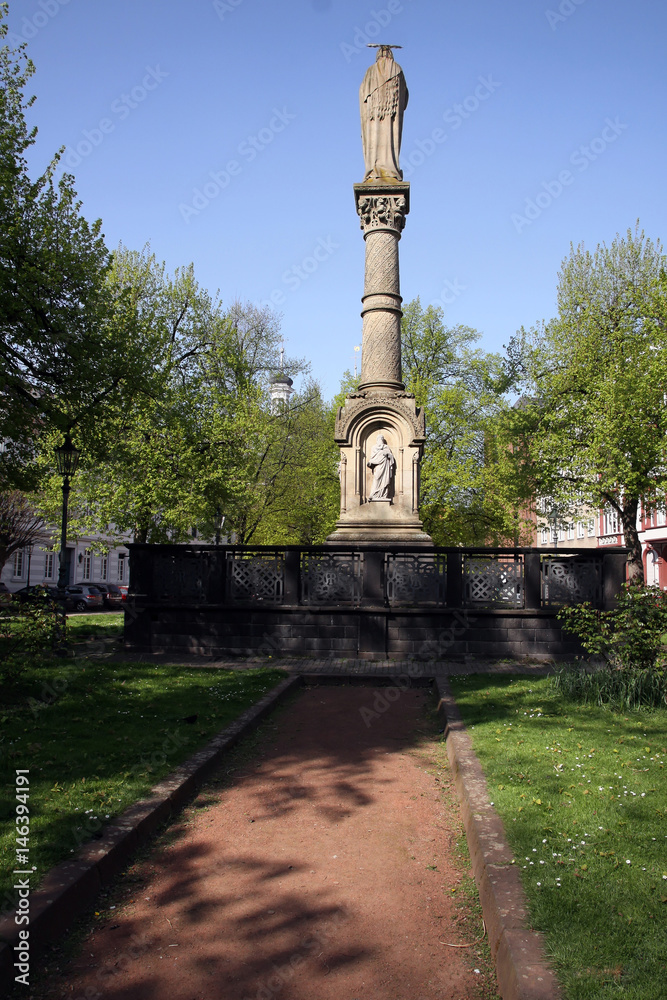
630 635
27 630
630 638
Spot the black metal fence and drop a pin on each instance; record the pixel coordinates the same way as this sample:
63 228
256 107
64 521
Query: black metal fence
366 600
317 576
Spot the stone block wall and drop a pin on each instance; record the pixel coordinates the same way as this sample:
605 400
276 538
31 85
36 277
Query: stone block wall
368 601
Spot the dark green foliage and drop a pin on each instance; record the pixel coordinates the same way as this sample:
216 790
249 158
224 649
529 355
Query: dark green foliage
464 497
28 631
630 638
629 635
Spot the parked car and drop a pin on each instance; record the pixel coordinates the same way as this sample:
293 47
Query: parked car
36 592
111 595
124 590
85 597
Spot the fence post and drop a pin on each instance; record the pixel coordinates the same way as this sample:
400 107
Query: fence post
613 577
454 579
292 568
373 583
532 580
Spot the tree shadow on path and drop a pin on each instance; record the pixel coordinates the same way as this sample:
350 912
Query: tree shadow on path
314 873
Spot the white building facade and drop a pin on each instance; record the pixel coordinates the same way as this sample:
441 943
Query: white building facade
39 564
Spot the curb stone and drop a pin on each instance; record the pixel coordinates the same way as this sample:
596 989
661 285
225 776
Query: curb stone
522 970
72 886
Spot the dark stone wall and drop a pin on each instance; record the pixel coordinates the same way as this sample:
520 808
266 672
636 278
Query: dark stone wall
227 601
366 632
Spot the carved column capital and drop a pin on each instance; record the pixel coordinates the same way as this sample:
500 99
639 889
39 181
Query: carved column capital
382 206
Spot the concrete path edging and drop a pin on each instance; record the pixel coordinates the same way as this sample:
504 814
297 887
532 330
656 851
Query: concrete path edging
522 970
72 886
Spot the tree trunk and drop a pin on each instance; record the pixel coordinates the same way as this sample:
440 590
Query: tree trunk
634 546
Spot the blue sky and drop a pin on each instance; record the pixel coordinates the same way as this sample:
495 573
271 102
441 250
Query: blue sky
549 119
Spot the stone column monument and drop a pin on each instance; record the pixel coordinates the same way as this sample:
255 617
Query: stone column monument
379 430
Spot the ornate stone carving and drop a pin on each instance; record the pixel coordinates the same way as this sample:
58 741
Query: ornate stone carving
398 402
382 211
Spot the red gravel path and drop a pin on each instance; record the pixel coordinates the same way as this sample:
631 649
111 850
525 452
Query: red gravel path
325 872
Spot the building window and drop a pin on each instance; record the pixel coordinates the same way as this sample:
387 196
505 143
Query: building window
18 564
581 529
546 536
570 530
49 565
591 527
660 517
610 523
104 568
87 564
121 568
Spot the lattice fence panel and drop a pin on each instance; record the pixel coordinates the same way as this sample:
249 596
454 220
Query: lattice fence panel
571 580
183 578
493 581
415 579
331 578
256 576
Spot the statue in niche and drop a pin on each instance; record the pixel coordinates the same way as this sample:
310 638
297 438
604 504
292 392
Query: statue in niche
383 463
383 97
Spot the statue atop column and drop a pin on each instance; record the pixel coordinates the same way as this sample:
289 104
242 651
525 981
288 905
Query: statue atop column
379 472
383 97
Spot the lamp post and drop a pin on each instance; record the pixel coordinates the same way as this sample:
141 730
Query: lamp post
67 460
554 519
29 549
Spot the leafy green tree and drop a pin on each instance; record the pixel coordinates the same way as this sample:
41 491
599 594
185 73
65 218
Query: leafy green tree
199 440
64 353
149 459
591 428
465 499
20 525
298 489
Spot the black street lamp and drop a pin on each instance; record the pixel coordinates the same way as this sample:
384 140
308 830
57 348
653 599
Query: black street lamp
67 460
29 549
554 518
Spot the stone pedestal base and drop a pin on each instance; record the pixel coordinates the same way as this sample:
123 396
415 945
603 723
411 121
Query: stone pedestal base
382 522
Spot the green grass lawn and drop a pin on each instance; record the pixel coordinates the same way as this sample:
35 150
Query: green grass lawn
582 792
96 735
95 634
